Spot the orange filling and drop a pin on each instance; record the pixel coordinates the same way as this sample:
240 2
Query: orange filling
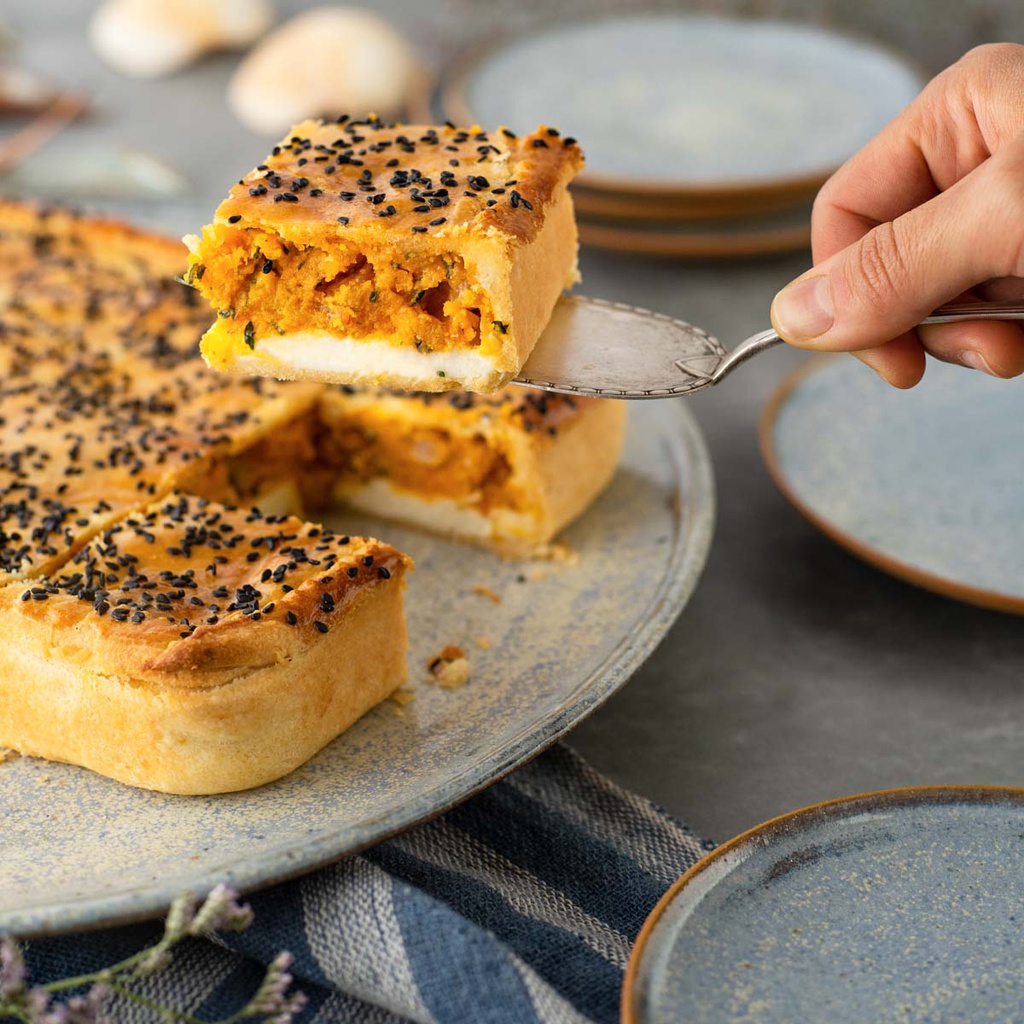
287 455
415 300
429 461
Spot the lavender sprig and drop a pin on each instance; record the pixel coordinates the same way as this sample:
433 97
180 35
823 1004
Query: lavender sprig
219 912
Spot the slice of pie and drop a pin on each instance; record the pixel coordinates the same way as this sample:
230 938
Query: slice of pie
411 257
198 648
507 471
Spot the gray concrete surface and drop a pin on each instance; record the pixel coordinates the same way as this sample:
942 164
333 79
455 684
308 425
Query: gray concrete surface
797 673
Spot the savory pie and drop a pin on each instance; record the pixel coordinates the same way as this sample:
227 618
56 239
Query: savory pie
169 620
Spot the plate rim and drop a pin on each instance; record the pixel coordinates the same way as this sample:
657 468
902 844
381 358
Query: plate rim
993 600
454 104
682 575
693 244
766 831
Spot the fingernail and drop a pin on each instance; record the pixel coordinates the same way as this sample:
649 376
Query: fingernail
976 361
803 311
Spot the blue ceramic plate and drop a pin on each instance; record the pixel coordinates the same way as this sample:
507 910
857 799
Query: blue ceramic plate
77 849
906 905
689 101
927 483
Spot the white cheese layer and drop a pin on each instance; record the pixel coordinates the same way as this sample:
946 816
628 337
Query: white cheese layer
371 362
504 530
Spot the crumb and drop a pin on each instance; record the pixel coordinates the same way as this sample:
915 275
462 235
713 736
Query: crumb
491 595
449 668
483 642
6 754
403 697
537 575
561 552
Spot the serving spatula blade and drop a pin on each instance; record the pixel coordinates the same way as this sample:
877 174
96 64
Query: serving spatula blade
611 350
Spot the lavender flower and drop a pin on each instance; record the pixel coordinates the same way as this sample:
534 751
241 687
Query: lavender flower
269 997
12 969
179 918
220 911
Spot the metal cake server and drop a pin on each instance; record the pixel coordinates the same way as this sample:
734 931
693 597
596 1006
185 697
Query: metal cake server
611 350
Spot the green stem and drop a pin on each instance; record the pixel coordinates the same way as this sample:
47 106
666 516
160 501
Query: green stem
13 1012
169 1015
108 972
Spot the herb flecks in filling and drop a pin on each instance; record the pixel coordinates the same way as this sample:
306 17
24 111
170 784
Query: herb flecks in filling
423 301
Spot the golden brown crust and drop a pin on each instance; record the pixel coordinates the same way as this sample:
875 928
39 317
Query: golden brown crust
470 180
252 729
103 403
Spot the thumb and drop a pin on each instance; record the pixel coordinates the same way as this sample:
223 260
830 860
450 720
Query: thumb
886 282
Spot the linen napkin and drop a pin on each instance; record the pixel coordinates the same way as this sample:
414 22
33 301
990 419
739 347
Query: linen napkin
519 906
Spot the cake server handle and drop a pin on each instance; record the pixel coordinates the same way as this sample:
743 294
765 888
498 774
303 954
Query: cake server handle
951 314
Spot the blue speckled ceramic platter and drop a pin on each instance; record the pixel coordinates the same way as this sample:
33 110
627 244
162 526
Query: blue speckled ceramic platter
78 850
906 905
689 101
926 483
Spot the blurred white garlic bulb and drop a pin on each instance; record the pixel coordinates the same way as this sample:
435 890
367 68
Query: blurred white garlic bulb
148 38
326 61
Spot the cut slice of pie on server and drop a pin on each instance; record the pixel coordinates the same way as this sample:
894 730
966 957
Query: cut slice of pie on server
411 257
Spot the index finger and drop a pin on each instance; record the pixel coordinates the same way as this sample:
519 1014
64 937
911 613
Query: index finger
960 118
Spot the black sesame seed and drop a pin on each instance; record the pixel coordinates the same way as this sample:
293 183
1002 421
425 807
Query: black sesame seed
343 220
352 572
419 230
320 627
268 266
250 335
235 219
291 618
326 603
384 573
437 220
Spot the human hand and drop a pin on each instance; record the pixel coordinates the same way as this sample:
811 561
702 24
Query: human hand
930 210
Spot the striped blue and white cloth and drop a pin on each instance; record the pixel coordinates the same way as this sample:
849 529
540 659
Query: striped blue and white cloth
521 905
